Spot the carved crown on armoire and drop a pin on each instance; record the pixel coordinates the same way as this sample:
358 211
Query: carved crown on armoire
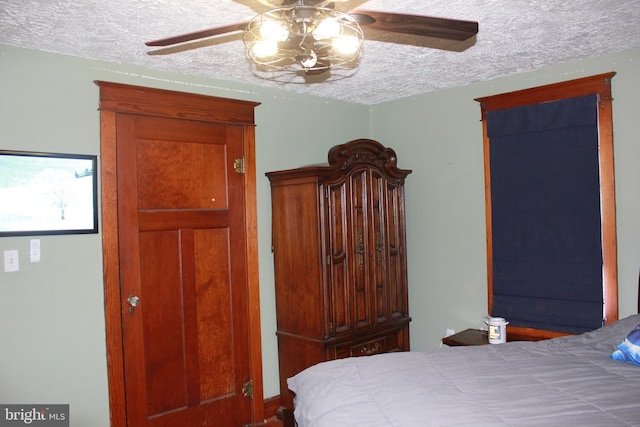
339 248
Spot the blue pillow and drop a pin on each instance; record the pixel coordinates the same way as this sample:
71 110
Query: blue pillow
629 349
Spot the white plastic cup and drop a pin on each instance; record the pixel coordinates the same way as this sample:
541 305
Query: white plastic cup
497 330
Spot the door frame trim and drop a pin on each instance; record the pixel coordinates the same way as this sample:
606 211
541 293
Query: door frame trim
120 98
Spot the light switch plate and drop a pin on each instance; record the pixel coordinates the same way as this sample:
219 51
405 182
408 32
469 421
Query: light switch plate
11 262
34 250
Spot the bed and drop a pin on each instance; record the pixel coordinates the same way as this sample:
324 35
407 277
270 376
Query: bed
567 381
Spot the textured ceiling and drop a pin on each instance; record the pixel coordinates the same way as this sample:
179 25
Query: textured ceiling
514 36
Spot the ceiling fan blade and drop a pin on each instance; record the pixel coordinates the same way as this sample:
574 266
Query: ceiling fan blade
196 44
216 31
419 41
450 29
292 3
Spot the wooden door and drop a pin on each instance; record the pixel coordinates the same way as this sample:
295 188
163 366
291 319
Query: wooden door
181 250
184 298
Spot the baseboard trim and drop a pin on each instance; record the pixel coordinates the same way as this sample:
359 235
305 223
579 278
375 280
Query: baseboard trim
271 406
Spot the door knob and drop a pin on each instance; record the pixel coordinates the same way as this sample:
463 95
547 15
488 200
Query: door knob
133 301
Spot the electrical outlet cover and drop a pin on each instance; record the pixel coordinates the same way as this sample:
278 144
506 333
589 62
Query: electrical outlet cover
11 262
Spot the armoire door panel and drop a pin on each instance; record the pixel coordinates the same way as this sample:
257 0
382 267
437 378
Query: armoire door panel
396 262
338 243
296 213
360 229
379 247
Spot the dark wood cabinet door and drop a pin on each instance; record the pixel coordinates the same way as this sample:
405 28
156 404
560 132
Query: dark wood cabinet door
360 230
340 256
298 250
395 251
378 247
365 241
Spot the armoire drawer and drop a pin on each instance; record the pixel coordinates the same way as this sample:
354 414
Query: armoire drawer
382 343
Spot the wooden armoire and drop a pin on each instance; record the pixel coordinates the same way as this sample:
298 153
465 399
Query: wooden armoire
339 249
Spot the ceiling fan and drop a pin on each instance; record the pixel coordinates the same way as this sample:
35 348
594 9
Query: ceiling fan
312 36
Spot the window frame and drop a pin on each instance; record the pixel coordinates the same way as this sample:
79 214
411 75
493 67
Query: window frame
598 84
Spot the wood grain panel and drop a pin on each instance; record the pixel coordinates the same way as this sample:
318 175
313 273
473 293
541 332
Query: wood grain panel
163 327
214 312
198 174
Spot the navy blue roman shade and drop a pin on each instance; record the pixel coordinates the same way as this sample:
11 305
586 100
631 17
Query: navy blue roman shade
546 216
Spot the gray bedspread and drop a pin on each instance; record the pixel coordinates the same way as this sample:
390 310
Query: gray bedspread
569 381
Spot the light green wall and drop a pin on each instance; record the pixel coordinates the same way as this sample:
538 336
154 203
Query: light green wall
52 342
439 136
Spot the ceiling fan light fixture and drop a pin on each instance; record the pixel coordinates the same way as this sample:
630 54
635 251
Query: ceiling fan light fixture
305 38
293 38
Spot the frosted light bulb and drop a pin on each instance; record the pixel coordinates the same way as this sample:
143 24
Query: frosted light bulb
264 48
346 44
272 30
327 29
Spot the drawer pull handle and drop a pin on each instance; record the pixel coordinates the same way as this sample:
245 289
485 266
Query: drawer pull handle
374 349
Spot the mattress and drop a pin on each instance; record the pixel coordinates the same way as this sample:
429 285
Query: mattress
567 381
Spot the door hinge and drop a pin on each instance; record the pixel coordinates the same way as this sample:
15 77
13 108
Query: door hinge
247 389
238 165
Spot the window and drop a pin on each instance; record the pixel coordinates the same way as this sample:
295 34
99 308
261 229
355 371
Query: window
551 236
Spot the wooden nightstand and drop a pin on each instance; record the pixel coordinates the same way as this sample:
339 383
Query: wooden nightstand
480 337
467 337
